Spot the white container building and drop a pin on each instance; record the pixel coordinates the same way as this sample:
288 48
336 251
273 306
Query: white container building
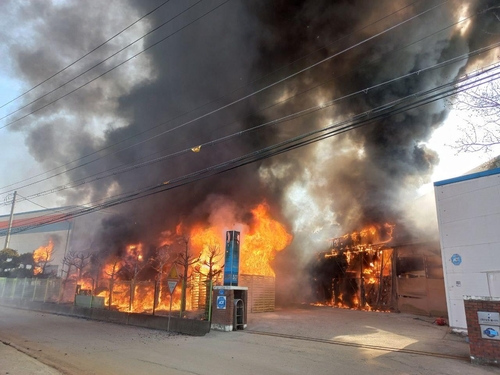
468 210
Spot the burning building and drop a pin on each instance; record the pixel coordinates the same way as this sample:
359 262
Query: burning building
367 270
237 82
356 273
48 244
51 242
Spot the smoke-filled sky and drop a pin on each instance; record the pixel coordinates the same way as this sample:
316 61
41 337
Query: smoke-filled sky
219 52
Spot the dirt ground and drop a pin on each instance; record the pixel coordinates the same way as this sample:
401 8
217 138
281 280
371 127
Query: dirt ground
299 341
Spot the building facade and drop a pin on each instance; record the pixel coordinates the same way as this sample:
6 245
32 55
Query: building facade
468 209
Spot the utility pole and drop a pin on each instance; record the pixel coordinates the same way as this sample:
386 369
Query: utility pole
7 238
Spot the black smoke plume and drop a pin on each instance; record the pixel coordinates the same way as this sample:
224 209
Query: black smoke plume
338 185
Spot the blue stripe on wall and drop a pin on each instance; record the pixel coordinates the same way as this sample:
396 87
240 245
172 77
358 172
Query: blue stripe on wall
468 177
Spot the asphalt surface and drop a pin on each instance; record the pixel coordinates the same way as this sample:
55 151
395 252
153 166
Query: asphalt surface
13 361
300 341
388 330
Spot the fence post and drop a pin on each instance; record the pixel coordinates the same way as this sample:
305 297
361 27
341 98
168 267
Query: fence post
14 289
46 290
62 289
24 287
58 295
34 290
4 286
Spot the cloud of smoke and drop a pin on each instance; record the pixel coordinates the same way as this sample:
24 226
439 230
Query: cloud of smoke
338 185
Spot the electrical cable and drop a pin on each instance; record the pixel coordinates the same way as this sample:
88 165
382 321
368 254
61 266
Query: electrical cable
29 200
247 96
121 169
115 67
215 100
469 81
86 54
239 100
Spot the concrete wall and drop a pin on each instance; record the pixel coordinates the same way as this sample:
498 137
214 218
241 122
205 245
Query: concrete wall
89 301
468 210
186 326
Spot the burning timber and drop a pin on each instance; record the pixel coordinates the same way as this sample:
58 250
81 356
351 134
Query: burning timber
366 270
135 277
357 270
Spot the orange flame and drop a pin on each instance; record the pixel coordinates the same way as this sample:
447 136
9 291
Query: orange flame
368 272
260 245
42 255
135 252
207 242
203 238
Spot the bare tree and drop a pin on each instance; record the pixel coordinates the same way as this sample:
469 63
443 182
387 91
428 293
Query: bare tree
112 272
134 264
80 261
159 261
186 260
68 262
94 271
77 260
481 107
42 257
211 261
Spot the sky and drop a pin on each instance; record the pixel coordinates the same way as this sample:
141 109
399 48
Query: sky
231 43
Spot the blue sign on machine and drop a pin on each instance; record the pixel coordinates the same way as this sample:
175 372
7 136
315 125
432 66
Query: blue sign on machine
232 258
221 302
456 259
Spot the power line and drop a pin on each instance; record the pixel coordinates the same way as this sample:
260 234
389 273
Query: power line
249 95
36 220
210 102
29 200
386 110
101 175
113 68
122 200
86 54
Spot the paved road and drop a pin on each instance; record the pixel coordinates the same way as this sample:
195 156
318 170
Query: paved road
77 346
14 362
401 331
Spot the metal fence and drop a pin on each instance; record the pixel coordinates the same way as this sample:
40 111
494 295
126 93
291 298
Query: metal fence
42 290
147 297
